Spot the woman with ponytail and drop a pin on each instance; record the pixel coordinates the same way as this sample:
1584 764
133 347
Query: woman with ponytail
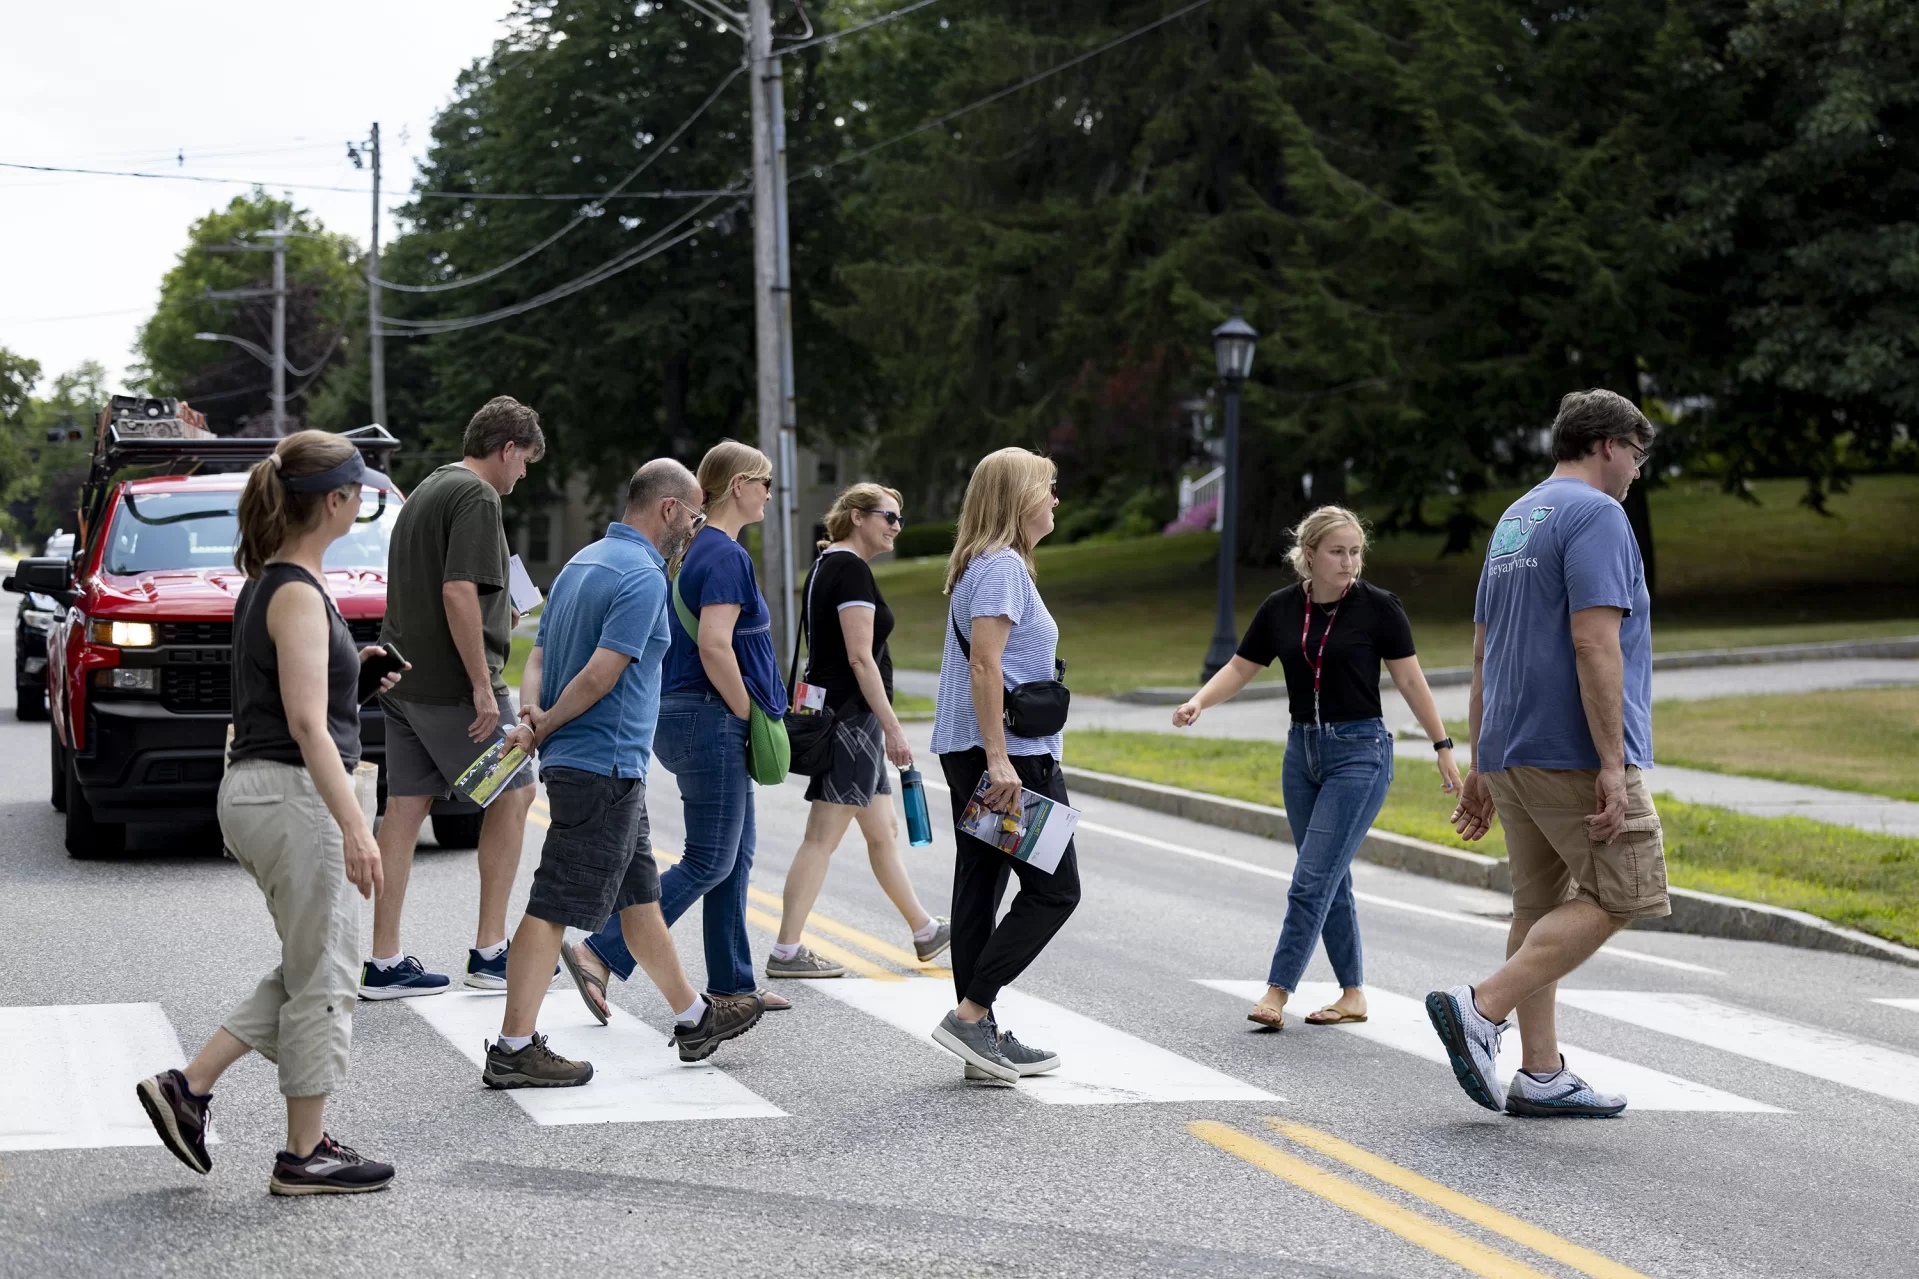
289 814
720 666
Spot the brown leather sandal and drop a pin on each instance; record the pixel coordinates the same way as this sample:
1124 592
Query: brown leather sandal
1270 1017
592 989
1340 1016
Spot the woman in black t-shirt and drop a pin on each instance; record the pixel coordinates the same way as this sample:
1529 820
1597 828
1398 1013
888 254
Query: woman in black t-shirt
850 671
1330 633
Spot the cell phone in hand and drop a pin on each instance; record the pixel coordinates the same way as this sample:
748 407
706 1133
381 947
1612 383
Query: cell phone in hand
376 668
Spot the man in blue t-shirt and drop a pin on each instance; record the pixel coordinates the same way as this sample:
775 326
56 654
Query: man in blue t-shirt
1561 729
591 698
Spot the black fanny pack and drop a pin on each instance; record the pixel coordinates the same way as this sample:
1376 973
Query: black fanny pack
1037 709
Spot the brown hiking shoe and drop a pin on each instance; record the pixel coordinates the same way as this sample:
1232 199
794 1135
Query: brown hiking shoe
727 1017
534 1066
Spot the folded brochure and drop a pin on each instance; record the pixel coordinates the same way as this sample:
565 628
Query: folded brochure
488 775
526 596
1037 836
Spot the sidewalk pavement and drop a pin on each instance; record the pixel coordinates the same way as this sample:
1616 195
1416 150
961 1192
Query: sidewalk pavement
1266 721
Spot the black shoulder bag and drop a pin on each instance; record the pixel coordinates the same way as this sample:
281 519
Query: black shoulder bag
809 732
1036 709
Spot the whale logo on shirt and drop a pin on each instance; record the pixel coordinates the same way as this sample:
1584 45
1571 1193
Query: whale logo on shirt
1514 531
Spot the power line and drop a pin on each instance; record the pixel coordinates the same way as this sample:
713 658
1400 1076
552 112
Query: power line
625 259
565 195
937 121
850 31
179 177
583 215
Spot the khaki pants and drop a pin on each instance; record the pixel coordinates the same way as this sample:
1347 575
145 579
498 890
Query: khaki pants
301 1015
1553 859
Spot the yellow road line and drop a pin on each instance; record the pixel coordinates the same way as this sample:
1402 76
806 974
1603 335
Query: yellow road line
858 963
1540 1241
1408 1225
847 933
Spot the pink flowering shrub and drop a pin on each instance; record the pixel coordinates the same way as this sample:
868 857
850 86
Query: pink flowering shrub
1198 518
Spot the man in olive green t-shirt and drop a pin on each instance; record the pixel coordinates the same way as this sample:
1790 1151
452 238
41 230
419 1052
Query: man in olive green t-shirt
449 613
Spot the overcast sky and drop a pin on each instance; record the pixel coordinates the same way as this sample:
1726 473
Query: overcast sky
270 92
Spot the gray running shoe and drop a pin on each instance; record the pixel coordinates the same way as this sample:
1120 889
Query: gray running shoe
928 951
977 1044
1472 1042
726 1017
1564 1095
806 962
534 1066
1025 1058
975 1073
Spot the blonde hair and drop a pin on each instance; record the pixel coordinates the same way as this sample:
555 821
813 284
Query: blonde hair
269 513
857 497
1006 487
725 462
1311 531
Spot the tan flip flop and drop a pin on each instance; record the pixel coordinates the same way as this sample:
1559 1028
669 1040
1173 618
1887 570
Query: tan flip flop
592 989
1340 1016
1269 1017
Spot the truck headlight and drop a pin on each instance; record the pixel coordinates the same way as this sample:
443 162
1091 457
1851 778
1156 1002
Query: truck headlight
36 619
120 634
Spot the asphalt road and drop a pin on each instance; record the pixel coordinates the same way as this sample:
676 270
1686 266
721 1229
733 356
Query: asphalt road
880 1160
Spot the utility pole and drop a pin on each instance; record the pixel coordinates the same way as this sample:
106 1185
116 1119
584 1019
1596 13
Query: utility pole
772 314
279 324
376 350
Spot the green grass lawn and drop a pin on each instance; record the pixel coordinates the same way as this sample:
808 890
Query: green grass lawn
1853 739
1864 881
1731 573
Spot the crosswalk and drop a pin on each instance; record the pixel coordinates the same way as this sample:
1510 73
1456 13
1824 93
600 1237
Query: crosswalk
75 1091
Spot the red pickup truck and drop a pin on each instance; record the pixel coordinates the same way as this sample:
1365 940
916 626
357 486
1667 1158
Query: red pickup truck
139 680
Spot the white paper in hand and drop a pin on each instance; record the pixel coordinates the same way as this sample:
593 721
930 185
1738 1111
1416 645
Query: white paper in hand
526 596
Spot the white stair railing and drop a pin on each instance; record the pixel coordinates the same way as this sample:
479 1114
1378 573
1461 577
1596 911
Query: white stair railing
1205 488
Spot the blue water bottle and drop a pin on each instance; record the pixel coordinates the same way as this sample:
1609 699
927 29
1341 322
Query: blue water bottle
919 829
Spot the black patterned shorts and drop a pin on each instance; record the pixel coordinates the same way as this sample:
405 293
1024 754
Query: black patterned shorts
858 768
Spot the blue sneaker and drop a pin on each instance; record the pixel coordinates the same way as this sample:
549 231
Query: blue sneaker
490 974
402 981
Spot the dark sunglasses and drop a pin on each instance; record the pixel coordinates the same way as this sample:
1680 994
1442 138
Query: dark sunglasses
1053 487
893 518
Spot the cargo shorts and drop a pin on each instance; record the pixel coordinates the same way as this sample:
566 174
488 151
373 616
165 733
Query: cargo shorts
427 747
1554 859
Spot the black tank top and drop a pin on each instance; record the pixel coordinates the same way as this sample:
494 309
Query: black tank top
259 717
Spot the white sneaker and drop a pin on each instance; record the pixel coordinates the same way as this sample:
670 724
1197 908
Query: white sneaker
1472 1042
1563 1095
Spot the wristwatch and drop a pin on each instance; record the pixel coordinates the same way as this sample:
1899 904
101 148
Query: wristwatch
1443 744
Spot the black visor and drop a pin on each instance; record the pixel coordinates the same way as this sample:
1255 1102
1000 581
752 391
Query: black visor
348 472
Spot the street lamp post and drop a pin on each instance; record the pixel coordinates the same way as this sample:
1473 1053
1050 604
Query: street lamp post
1233 344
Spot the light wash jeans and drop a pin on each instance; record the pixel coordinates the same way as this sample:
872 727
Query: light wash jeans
1334 778
703 744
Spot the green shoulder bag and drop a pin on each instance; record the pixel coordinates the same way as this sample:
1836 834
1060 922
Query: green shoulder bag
768 753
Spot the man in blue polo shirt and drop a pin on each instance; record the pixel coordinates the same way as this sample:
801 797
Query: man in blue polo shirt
590 699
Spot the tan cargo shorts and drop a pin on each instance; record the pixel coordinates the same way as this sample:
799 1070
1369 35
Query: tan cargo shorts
1552 857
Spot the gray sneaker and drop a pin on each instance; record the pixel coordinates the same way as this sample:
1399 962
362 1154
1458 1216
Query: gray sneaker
1562 1094
977 1044
806 962
928 951
534 1066
1024 1058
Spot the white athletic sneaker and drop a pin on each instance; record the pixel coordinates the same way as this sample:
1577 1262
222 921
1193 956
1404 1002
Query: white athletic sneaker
1472 1042
1563 1095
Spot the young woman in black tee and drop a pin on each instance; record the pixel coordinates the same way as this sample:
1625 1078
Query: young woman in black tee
1330 633
847 623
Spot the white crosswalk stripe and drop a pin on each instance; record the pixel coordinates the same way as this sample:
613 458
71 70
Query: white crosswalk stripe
75 1089
636 1078
1098 1064
1399 1022
1810 1050
1910 1005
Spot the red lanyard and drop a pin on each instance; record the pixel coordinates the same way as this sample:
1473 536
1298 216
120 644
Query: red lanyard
1305 628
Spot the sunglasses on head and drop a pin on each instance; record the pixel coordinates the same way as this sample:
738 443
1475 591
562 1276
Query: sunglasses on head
893 518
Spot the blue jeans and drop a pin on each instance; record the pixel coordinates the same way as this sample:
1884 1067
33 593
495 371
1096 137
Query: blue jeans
703 744
1334 779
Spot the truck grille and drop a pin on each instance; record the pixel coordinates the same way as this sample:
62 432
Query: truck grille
197 688
366 630
197 634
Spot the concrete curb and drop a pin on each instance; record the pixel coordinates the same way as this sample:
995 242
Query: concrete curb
1459 676
1705 914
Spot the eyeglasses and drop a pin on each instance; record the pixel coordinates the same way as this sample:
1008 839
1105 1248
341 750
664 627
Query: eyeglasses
1640 453
1052 486
893 518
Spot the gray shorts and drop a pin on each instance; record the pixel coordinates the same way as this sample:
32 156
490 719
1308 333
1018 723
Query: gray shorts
598 856
427 746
